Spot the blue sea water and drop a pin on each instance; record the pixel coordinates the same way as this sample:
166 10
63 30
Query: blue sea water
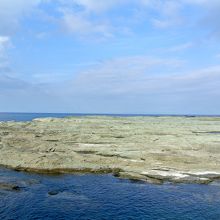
104 197
101 196
4 116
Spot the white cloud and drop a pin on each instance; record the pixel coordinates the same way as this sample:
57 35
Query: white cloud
80 24
122 75
166 23
142 75
209 15
211 20
171 13
92 17
95 6
99 5
5 43
11 13
168 13
85 18
8 83
154 84
181 47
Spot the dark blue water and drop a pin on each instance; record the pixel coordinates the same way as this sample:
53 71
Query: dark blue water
101 196
104 197
30 116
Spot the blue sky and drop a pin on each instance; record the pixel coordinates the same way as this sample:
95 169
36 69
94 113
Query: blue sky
112 56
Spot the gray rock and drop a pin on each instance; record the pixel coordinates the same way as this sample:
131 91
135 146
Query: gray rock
9 186
152 149
53 192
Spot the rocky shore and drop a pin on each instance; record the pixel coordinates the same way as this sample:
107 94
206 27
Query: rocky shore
152 149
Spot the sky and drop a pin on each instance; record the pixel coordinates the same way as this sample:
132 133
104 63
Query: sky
110 56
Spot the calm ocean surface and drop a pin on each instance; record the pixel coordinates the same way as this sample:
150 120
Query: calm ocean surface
101 196
30 116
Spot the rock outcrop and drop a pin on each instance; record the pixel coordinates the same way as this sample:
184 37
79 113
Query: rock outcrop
153 149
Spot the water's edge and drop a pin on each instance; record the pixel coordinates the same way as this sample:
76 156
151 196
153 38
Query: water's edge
39 196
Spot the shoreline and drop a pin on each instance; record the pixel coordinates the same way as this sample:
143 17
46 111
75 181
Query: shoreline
187 178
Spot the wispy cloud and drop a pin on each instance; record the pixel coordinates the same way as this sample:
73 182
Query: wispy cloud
130 30
80 25
145 75
181 47
5 43
103 18
168 13
11 84
11 14
140 79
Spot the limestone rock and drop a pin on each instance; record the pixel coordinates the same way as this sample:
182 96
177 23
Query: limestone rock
153 149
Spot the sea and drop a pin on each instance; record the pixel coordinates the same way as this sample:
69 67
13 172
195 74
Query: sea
89 196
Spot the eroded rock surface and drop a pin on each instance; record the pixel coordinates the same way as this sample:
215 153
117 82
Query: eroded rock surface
153 149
